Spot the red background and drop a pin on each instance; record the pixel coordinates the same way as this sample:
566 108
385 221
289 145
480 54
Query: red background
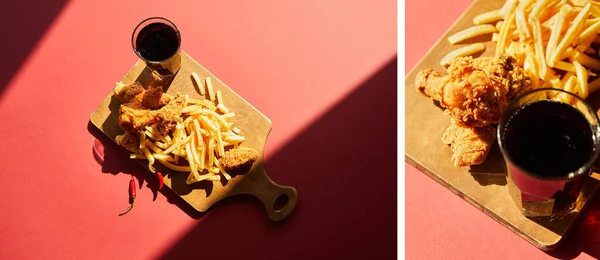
439 224
324 72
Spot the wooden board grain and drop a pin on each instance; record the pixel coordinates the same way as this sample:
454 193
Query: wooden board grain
483 186
254 126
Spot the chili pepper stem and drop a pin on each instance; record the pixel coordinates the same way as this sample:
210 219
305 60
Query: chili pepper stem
125 210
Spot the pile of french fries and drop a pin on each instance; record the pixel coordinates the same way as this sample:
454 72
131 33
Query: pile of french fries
554 40
198 142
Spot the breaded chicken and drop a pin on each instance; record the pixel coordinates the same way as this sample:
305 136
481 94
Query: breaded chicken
154 98
238 158
128 140
476 90
134 117
470 145
125 93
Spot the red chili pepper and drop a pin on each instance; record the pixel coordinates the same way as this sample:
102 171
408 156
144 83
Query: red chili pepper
132 194
160 180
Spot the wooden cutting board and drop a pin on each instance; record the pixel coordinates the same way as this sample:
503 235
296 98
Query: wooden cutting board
254 126
483 186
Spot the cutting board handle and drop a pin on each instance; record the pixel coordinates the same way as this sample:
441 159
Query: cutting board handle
279 201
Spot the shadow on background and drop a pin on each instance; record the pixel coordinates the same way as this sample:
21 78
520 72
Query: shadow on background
585 236
24 22
344 168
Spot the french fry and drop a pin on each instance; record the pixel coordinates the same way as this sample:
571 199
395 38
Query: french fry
211 150
222 108
153 147
505 10
553 80
193 176
150 159
495 37
589 50
592 30
556 31
499 26
594 85
219 98
510 16
177 145
522 26
461 52
585 44
570 87
472 32
586 60
220 148
487 17
195 156
538 7
562 65
198 83
162 157
202 156
582 79
142 140
209 89
234 139
137 156
571 33
205 121
539 48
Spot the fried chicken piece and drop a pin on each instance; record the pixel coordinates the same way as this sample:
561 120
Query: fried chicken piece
126 93
470 145
475 91
154 98
128 140
510 73
133 116
504 69
238 158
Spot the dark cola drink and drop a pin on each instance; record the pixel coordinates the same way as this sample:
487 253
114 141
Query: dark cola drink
548 143
157 41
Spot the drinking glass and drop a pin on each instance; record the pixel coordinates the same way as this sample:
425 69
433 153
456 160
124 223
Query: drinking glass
539 193
157 41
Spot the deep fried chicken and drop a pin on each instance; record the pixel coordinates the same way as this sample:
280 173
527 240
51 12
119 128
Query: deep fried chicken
470 145
154 98
134 117
239 158
125 93
128 140
475 91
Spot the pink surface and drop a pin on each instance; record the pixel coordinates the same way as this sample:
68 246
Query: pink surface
324 72
439 224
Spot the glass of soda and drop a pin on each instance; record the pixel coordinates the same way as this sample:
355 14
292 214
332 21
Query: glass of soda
549 140
157 41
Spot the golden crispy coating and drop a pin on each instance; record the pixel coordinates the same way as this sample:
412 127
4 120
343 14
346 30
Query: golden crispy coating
470 145
128 140
237 158
133 116
154 98
475 91
125 93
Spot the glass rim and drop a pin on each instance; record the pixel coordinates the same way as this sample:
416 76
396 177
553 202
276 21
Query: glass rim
170 23
585 168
